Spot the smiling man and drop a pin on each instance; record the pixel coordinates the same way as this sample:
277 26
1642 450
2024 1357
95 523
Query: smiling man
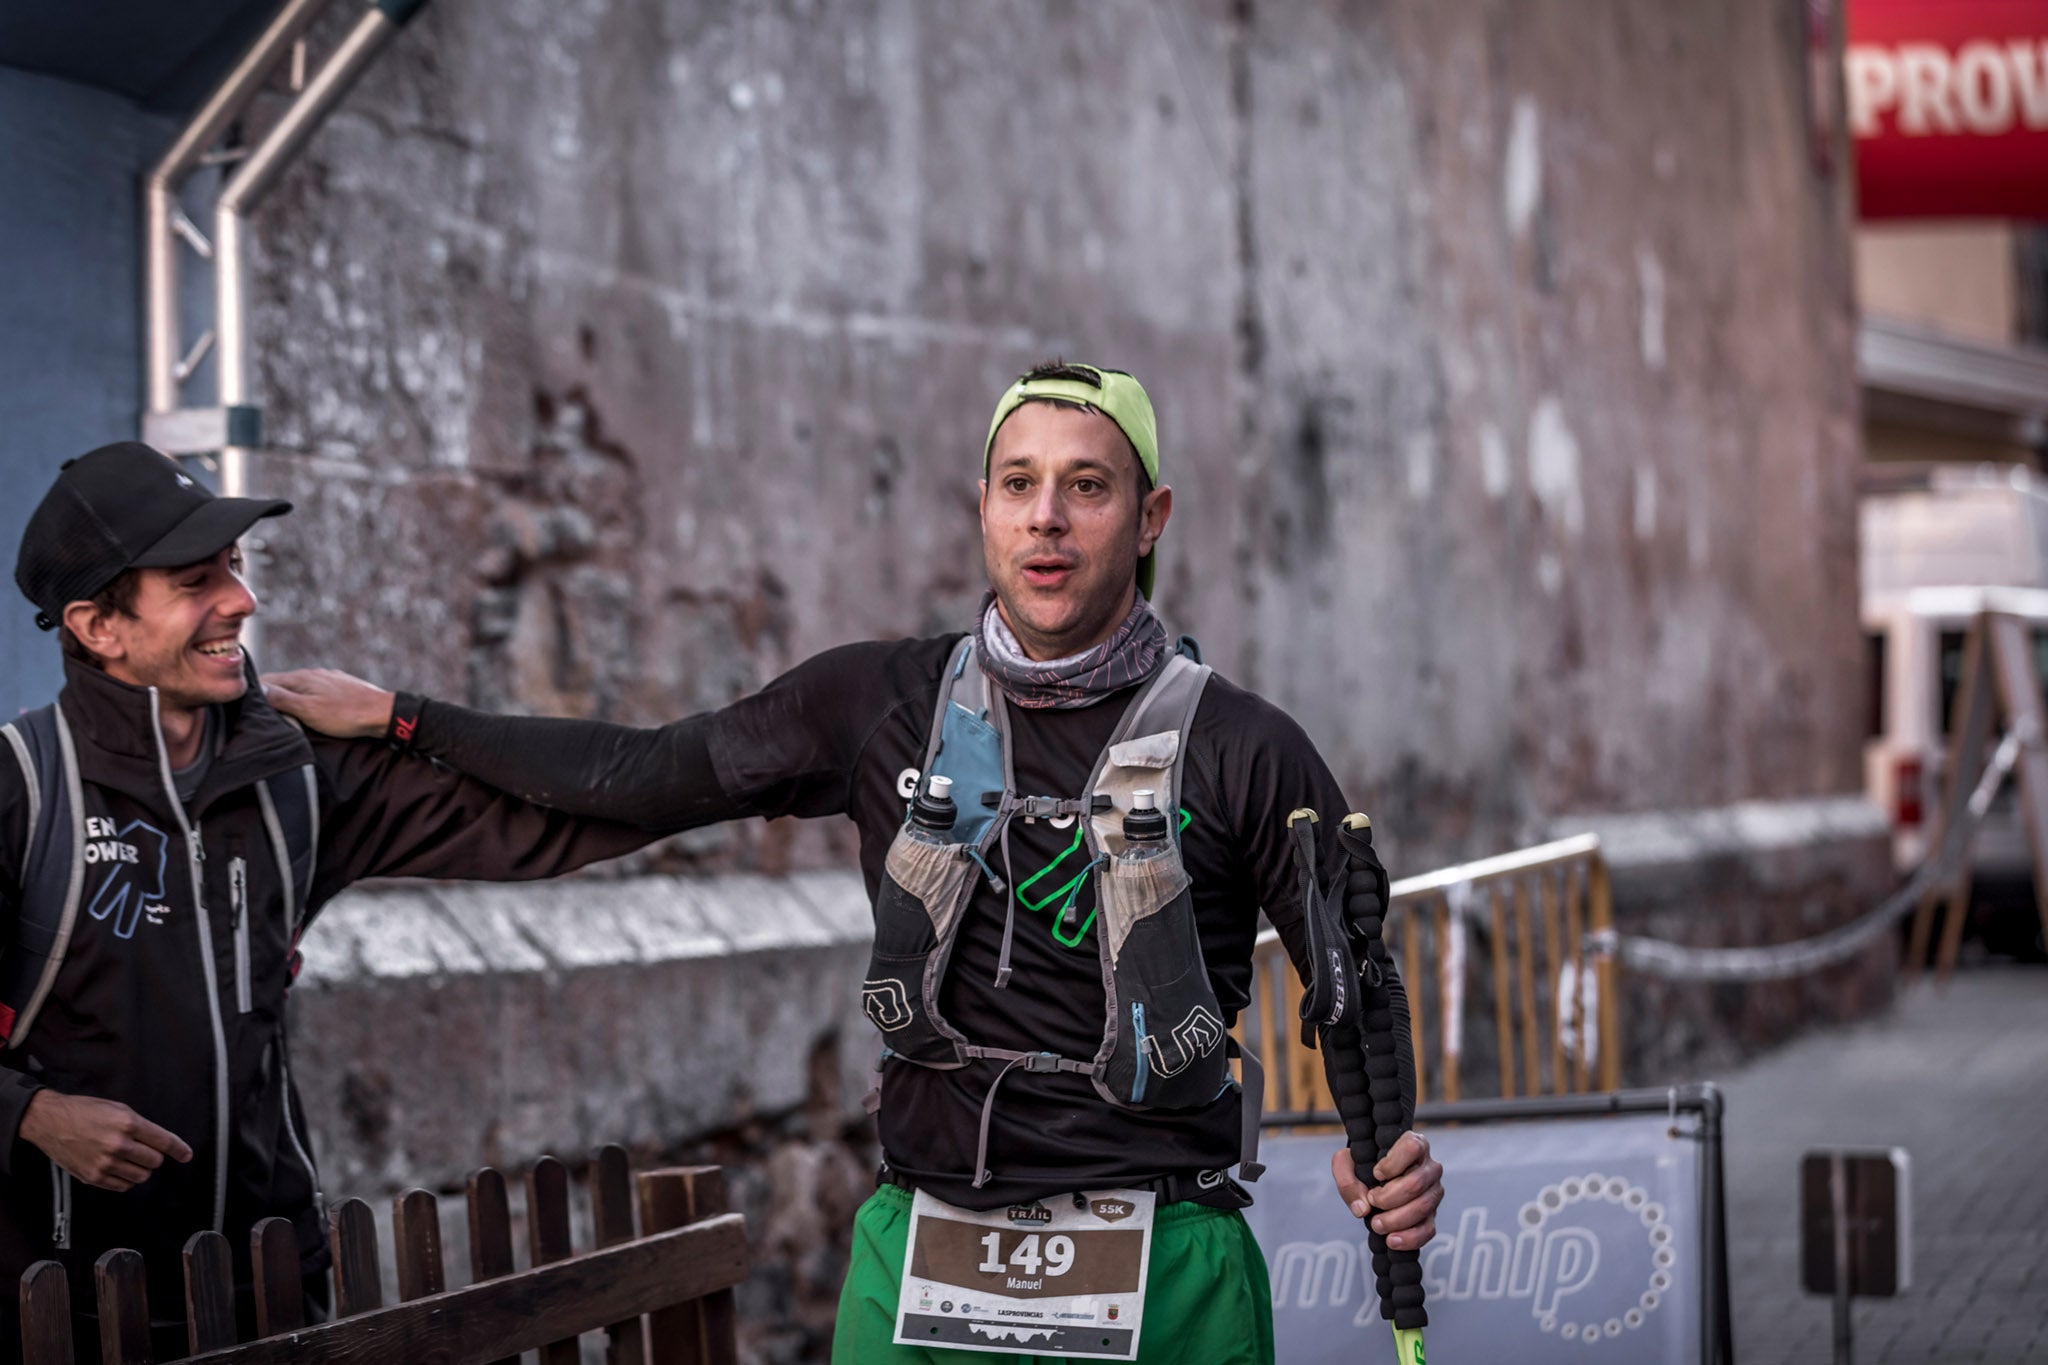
165 838
1064 923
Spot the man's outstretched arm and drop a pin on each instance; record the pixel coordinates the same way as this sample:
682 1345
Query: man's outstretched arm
661 780
789 749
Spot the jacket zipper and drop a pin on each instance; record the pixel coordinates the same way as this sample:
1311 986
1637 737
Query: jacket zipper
291 1129
195 857
60 1207
238 893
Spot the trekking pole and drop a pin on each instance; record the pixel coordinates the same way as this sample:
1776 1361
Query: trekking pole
1397 1274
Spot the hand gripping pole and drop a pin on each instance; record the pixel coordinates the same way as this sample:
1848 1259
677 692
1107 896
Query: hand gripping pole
1398 1274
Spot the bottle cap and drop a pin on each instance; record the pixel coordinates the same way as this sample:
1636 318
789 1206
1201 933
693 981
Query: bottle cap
1144 798
940 787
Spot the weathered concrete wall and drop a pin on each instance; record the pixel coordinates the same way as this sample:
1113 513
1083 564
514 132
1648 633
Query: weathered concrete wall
623 354
442 1026
695 1019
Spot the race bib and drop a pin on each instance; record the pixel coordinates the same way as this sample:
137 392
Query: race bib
1064 1276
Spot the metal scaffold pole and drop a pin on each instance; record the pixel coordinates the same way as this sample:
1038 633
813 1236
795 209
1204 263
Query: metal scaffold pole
231 429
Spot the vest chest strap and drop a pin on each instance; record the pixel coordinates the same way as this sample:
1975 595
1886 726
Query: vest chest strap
1045 807
1042 1062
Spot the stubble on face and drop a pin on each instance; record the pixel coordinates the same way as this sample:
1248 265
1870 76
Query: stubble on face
1061 525
184 638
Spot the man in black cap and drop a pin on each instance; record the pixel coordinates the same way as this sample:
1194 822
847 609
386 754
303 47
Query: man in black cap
165 838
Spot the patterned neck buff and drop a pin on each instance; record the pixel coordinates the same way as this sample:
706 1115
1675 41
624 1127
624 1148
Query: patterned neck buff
1126 657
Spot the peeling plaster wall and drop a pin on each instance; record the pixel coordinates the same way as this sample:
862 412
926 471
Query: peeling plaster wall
621 355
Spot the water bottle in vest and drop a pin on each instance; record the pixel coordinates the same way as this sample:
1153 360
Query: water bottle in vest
934 812
1145 824
923 883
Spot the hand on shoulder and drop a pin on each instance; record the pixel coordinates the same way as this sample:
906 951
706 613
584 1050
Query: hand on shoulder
331 701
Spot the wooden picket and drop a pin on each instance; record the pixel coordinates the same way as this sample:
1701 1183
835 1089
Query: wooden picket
611 1208
662 1297
280 1290
547 1236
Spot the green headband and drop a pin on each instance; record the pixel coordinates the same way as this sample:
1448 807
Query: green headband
1118 397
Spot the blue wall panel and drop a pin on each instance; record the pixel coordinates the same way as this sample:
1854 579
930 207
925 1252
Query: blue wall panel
70 314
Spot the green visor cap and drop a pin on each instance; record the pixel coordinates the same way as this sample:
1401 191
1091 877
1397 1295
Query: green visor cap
1118 396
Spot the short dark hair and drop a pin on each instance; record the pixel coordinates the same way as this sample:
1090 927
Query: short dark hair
1057 368
116 599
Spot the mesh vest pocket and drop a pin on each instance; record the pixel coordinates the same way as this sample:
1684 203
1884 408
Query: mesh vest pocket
924 885
1169 1032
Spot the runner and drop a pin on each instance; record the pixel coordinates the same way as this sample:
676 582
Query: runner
1055 963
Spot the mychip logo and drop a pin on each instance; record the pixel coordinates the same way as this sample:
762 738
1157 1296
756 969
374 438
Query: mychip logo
1593 1255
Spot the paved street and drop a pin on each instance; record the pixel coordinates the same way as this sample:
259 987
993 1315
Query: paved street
1960 1079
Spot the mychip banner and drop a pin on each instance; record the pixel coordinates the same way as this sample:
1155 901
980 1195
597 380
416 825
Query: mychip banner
1558 1240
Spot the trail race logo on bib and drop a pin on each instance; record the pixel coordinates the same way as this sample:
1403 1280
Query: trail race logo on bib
137 854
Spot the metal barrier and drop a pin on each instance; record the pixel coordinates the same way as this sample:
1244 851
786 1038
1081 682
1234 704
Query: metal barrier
661 1297
1535 911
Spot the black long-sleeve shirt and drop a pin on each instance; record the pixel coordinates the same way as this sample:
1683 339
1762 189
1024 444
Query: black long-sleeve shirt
840 735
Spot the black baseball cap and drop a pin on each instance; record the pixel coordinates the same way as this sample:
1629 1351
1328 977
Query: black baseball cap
123 506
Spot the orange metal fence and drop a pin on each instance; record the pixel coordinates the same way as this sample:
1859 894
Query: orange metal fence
1512 928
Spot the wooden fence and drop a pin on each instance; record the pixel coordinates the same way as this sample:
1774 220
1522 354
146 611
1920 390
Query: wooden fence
662 1296
1516 926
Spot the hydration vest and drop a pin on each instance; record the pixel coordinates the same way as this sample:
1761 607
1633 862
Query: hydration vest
53 862
1164 1041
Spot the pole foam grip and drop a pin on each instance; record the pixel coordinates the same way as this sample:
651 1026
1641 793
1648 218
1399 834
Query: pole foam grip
1397 1275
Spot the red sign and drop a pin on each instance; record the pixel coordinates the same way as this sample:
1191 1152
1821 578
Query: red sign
1948 103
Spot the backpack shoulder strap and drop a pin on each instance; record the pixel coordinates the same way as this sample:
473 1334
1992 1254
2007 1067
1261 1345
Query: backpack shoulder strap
291 817
1149 747
32 782
53 868
968 745
1167 706
954 681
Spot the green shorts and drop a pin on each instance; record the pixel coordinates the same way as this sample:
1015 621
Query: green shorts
1207 1300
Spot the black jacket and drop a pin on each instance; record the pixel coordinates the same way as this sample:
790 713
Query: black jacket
131 1017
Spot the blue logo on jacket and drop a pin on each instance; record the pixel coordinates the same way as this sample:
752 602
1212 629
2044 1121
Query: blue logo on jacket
138 854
